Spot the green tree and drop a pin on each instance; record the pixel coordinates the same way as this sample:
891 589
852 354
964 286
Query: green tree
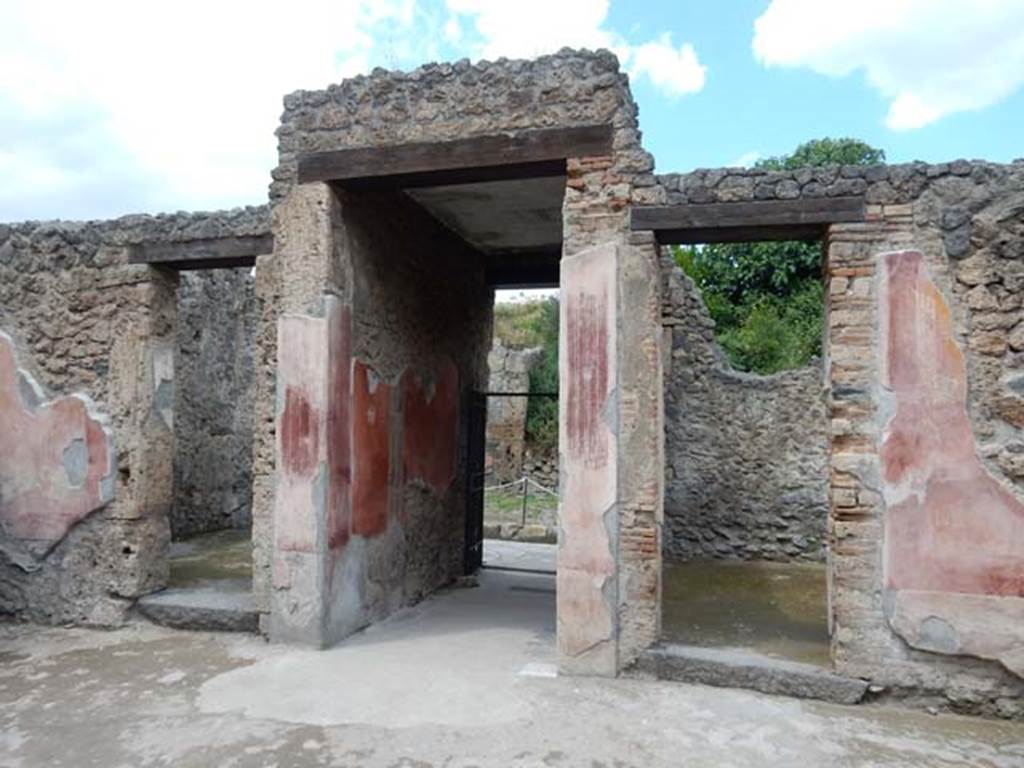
542 412
766 298
825 151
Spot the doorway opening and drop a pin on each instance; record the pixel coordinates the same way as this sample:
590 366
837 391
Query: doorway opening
746 445
210 556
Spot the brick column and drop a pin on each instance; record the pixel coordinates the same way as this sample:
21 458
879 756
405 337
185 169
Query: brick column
611 427
856 618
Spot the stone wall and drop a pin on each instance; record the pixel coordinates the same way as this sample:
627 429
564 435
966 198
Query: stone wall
447 101
960 226
371 427
213 403
746 456
506 416
85 321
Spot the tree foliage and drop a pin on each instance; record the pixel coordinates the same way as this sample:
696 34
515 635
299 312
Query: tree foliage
542 412
766 298
825 151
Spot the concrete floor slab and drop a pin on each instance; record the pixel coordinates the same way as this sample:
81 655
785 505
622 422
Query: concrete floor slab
519 555
451 682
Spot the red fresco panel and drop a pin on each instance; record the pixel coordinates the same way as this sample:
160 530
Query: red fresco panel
371 432
430 429
950 525
42 497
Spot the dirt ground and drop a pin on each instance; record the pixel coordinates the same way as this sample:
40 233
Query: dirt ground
464 679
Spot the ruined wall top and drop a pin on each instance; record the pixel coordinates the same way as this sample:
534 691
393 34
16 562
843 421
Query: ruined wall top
879 184
135 228
441 102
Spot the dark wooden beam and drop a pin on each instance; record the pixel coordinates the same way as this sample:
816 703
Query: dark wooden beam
524 268
209 253
805 219
522 154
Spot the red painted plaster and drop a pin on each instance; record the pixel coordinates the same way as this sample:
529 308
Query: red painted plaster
300 436
430 427
38 502
371 431
339 448
587 347
950 525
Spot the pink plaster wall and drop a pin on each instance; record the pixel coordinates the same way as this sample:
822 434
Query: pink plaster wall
40 498
954 535
313 471
951 526
588 365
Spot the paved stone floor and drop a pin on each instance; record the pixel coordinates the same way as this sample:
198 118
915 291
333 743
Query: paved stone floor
461 680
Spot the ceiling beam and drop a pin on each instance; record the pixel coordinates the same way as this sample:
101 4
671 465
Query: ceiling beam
805 219
206 253
524 267
515 155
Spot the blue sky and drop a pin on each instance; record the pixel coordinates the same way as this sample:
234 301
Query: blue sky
119 106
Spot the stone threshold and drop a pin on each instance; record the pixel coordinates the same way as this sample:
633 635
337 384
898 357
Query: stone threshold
217 608
740 669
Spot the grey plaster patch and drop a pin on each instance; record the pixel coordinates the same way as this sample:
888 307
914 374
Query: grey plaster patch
936 634
31 393
75 459
163 401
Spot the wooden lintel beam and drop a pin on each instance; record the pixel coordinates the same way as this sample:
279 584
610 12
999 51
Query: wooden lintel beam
207 253
759 220
518 154
524 268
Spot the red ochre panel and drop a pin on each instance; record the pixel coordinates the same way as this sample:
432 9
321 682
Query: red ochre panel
371 430
430 428
950 525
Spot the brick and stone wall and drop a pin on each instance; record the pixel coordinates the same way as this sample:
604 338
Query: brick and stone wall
213 411
447 101
438 102
83 321
746 456
924 358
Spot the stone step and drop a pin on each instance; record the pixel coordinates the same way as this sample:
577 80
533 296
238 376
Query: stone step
216 608
740 669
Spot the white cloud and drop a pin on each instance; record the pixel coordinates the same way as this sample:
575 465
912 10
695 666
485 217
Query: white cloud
929 58
527 28
185 94
676 71
746 160
115 106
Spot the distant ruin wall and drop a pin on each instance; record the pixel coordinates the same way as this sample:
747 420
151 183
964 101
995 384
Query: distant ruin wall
746 456
213 419
506 416
83 320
